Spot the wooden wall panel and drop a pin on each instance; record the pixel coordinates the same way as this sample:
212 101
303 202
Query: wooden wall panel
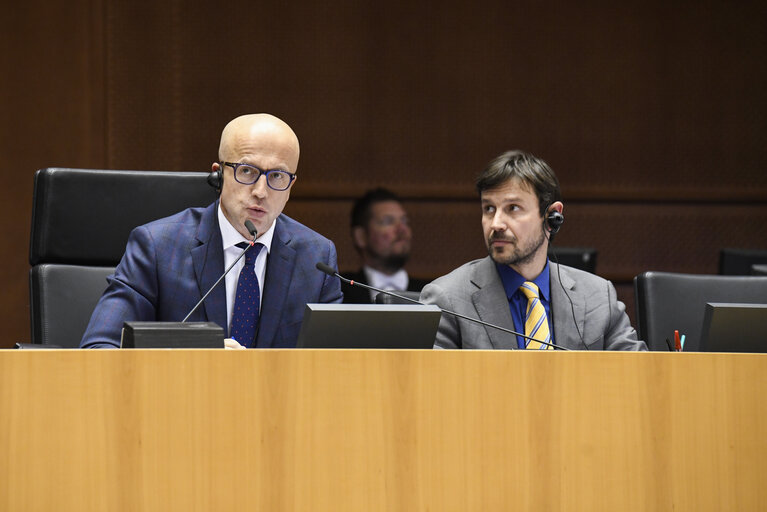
636 100
649 112
52 111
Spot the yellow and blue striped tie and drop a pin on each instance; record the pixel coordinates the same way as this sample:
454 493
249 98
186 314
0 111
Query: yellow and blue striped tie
536 323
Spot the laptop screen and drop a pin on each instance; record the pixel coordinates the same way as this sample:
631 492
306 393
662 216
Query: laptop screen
369 326
729 327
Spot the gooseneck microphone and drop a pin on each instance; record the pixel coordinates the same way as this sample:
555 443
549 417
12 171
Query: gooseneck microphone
327 269
252 230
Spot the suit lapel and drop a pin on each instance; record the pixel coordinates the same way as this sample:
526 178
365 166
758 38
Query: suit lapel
279 273
356 294
208 261
565 332
492 305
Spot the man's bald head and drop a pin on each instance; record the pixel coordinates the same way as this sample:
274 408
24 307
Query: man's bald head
263 129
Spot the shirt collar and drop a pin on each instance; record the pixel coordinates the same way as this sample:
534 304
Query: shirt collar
396 281
232 237
512 280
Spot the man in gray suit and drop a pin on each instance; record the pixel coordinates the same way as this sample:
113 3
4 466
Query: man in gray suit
516 286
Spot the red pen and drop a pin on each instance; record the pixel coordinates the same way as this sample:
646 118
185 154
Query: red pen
677 342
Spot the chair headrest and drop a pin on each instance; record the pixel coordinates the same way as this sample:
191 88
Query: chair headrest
84 216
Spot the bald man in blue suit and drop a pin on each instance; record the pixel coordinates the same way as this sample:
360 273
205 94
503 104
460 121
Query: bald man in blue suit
170 263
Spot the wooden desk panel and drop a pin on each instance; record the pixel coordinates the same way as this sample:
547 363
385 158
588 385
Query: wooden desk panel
381 430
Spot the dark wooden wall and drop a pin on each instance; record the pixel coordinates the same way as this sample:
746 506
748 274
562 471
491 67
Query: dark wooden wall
653 114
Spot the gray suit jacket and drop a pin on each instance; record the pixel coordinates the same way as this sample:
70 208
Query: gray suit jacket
475 290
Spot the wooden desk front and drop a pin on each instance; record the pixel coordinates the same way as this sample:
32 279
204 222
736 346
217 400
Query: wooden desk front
381 430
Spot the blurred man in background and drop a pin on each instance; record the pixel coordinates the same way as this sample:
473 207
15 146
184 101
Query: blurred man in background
381 233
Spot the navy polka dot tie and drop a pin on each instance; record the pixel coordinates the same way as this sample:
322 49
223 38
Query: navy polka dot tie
246 302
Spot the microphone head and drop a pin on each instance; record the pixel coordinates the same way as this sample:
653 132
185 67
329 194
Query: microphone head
251 228
326 268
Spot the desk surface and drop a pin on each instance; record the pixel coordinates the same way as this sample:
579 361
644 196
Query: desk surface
381 430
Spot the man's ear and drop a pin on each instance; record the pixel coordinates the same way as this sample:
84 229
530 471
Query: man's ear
359 236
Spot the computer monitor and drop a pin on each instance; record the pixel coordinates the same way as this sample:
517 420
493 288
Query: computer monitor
583 258
729 327
738 262
369 326
172 335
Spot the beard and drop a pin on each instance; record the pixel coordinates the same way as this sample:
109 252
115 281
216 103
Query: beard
393 258
395 262
520 254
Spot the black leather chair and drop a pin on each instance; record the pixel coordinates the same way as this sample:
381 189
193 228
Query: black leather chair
81 220
584 258
759 270
667 301
738 262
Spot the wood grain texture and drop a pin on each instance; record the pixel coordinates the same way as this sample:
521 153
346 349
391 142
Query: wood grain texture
381 430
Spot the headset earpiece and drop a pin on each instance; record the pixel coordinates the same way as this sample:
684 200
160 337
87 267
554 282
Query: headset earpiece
215 180
554 221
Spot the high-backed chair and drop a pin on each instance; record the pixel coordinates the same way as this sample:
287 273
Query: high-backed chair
738 262
667 301
584 258
81 220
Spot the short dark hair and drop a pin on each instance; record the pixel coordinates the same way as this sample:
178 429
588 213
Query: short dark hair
525 167
361 211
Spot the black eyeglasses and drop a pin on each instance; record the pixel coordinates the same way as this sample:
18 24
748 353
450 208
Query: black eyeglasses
247 174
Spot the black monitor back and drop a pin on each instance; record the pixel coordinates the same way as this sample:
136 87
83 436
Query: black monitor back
583 258
737 327
738 262
369 326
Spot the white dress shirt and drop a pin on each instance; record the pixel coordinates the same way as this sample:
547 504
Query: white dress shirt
231 238
397 281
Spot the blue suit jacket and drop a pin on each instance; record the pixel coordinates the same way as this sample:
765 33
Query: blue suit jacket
170 263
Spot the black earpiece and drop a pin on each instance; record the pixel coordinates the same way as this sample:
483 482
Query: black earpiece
554 221
216 180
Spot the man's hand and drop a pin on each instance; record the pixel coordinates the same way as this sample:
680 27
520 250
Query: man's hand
233 344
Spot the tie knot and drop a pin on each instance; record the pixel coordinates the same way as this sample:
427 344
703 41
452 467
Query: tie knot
251 255
530 290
